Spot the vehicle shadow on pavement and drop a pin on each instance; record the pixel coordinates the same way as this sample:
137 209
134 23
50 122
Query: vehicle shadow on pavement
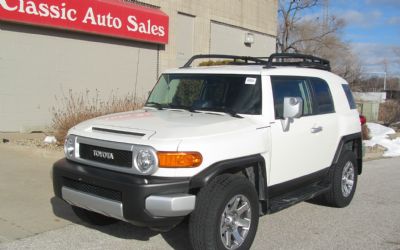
177 238
319 201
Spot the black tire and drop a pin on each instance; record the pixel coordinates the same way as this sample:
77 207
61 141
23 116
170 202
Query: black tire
205 223
340 195
92 217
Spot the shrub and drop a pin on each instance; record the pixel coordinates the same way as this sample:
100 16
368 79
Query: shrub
77 107
389 112
215 63
365 132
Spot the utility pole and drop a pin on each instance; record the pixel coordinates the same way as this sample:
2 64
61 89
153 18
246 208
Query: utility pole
384 77
325 17
384 81
385 67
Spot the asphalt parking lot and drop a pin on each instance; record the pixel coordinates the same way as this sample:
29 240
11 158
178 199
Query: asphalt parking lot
31 218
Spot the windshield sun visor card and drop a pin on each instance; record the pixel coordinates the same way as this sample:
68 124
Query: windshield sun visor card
251 81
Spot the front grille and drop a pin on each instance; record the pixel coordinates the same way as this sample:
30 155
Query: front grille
91 189
115 157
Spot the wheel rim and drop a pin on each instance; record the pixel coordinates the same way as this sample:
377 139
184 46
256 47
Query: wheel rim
347 179
235 222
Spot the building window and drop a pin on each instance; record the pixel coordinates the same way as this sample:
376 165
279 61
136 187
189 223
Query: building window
142 4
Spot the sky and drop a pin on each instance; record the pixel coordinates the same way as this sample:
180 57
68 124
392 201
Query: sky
372 29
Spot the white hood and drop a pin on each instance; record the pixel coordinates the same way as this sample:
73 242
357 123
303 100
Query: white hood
217 136
167 124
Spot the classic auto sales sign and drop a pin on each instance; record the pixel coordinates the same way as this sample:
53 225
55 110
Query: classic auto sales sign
114 18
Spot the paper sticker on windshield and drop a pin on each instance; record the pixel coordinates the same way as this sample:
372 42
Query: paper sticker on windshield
251 81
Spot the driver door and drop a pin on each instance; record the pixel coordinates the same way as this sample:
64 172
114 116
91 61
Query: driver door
298 152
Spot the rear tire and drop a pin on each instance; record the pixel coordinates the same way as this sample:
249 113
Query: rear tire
344 181
226 214
92 217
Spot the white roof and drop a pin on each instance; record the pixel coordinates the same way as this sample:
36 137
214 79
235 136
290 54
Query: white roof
222 69
258 70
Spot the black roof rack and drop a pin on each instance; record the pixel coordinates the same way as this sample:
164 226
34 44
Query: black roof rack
276 59
237 60
299 60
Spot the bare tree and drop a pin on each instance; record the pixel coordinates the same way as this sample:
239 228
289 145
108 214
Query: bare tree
331 47
317 36
291 24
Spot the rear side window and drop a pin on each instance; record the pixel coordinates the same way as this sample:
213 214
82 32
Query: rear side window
323 97
349 96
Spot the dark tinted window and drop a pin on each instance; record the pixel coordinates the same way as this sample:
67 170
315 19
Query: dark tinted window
224 93
323 97
349 96
287 86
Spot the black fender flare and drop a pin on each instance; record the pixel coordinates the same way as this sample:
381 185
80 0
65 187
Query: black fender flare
252 163
356 138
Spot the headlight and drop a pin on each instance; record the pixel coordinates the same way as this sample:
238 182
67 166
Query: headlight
146 161
69 146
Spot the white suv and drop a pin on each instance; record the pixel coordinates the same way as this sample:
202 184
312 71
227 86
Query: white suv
221 145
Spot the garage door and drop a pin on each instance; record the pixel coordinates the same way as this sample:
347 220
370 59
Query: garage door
38 65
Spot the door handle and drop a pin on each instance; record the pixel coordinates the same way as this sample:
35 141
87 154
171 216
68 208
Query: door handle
316 129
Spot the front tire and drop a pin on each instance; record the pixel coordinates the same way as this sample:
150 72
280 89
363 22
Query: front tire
344 181
226 214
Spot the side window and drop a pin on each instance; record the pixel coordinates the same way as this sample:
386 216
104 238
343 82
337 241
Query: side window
288 86
323 97
349 96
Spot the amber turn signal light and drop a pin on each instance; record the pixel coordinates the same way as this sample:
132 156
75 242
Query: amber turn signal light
179 159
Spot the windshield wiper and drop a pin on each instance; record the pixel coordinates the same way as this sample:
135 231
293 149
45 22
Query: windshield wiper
159 106
190 109
232 113
223 110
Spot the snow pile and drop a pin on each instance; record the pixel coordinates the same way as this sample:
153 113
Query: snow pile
379 135
50 140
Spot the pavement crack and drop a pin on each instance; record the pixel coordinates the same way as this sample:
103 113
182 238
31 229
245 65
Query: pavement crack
396 243
16 226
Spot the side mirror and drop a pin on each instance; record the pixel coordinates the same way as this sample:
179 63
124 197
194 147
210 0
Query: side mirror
292 108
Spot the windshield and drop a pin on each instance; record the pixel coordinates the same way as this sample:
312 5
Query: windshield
223 93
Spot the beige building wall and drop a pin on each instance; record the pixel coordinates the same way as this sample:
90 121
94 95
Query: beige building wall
223 35
258 16
38 65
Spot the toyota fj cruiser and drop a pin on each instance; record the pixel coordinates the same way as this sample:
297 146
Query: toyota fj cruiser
219 145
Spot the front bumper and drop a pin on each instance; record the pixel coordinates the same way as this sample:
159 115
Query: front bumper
139 200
